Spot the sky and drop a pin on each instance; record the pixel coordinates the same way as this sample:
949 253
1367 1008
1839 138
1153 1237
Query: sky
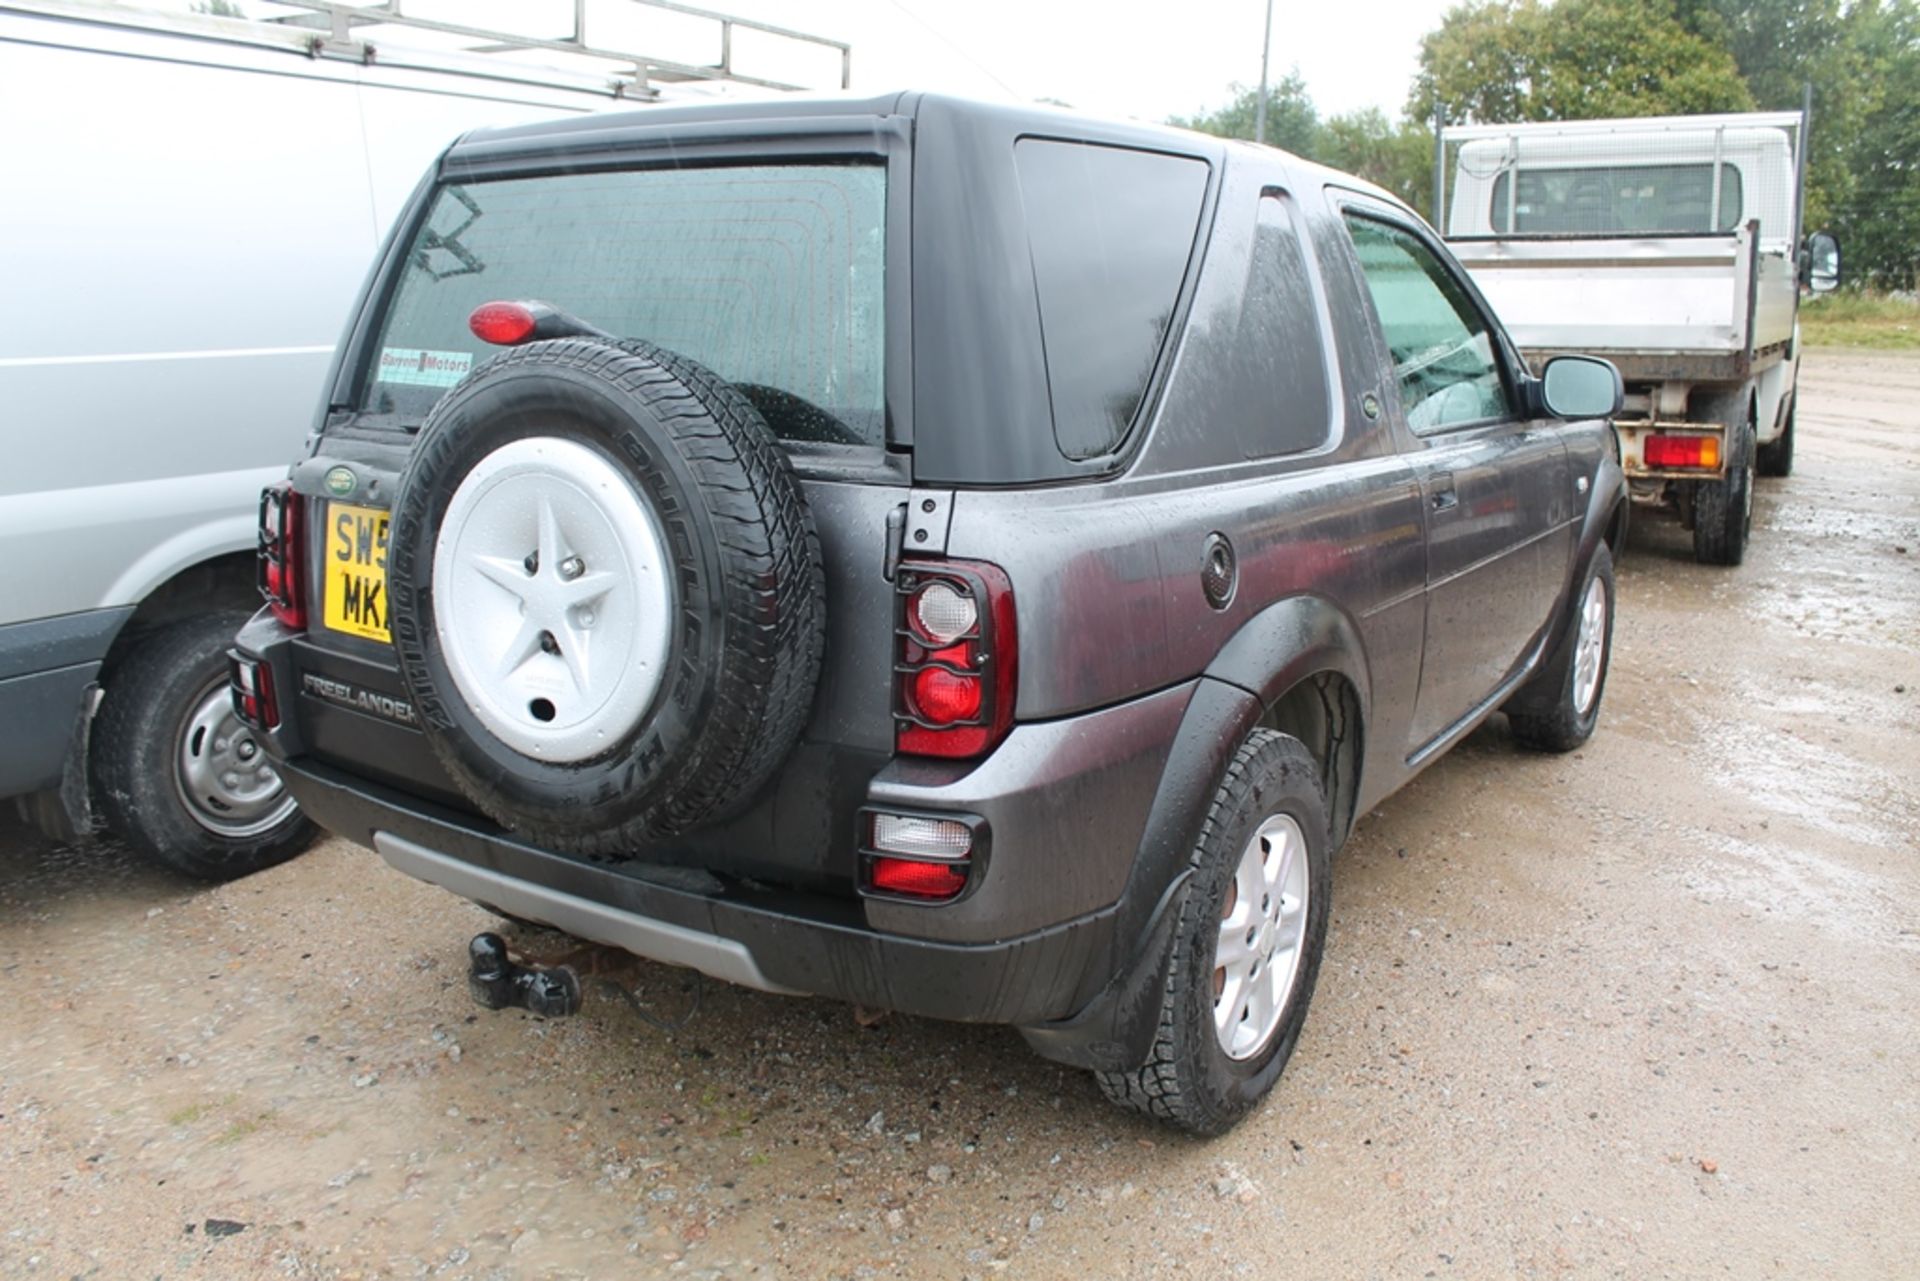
1123 58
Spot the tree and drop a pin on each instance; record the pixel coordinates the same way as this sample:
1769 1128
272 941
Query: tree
1501 61
1878 215
1292 120
1397 157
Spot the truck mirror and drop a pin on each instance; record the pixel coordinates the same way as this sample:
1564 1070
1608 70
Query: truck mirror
1581 387
1823 262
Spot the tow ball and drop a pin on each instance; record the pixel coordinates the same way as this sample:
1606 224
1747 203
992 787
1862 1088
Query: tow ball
496 981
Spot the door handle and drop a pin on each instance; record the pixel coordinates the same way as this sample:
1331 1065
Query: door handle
1442 498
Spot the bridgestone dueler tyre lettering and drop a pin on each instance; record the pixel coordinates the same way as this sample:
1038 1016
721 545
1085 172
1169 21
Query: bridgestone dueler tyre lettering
1188 1079
748 609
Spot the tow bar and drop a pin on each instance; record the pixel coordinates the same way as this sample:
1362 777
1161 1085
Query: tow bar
496 981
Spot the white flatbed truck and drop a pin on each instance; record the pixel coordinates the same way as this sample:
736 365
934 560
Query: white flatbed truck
1672 246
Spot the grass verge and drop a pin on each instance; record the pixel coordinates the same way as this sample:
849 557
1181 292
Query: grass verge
1884 322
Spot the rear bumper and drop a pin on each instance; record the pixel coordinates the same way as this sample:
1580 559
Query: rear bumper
775 941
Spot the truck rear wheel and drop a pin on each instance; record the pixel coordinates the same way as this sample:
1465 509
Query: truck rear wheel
1723 509
1247 948
1776 457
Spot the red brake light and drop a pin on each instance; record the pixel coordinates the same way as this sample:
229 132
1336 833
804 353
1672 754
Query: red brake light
504 324
917 879
282 547
956 658
1663 450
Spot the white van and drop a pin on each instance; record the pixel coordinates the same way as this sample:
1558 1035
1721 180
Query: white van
187 207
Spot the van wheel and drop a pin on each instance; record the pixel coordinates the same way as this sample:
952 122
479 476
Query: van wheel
1776 459
1723 509
180 777
1247 947
1557 710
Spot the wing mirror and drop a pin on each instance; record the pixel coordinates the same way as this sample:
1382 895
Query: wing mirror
1821 267
1581 387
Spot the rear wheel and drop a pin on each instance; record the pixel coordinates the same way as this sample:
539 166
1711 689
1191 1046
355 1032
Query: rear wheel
1723 509
1776 457
180 777
1247 948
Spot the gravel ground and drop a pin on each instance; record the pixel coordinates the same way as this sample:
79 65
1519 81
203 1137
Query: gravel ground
1646 1010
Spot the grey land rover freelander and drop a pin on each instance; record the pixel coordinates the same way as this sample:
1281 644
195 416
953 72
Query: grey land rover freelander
971 560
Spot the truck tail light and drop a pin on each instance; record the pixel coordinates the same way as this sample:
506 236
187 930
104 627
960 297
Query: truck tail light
282 547
925 857
956 655
1663 449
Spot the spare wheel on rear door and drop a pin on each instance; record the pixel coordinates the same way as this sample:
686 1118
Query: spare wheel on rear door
606 593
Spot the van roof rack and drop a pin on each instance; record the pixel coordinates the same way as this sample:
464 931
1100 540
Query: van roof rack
349 31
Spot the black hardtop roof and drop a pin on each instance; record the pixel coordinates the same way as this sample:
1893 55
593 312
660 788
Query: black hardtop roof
691 122
791 112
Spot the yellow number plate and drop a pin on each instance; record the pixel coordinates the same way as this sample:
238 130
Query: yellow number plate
356 572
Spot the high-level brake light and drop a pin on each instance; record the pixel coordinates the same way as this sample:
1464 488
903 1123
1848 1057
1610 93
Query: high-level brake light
504 324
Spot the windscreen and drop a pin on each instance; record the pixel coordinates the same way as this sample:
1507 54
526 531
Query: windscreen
1616 200
771 276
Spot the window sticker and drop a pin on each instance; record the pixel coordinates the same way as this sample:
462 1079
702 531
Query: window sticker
417 368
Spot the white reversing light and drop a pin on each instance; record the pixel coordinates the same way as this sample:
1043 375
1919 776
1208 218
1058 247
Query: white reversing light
944 614
923 837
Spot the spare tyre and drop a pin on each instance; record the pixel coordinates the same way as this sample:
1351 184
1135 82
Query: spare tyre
606 593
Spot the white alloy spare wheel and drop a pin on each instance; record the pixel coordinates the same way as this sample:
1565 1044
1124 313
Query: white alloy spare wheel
593 663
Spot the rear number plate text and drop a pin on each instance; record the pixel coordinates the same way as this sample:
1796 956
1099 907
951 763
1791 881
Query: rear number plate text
356 571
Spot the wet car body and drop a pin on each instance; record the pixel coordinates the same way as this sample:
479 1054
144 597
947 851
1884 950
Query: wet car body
1384 590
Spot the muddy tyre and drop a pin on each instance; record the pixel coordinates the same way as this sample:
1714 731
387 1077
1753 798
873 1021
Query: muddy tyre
178 776
1723 509
606 594
1247 947
1558 709
1776 458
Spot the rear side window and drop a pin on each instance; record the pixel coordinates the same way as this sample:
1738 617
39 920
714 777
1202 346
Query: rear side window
771 276
1111 231
1281 325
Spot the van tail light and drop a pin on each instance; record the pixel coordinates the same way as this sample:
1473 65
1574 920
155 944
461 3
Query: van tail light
955 658
282 551
1662 449
253 696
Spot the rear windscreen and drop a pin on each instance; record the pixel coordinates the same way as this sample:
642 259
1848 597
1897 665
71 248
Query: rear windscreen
1616 200
771 276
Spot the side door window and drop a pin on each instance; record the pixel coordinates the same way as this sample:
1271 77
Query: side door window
1445 357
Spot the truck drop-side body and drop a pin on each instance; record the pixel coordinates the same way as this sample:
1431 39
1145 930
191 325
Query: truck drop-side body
1667 245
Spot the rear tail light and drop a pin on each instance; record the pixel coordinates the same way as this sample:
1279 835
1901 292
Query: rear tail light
955 658
924 857
282 547
1664 450
253 697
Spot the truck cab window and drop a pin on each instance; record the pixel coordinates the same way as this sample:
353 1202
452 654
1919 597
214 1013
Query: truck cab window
1442 346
